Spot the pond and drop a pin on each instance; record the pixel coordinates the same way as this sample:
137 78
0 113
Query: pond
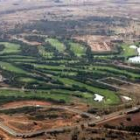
135 59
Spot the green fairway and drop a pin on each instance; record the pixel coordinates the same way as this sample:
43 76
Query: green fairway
11 68
44 53
17 56
114 70
127 51
62 71
110 97
26 80
78 49
10 48
85 96
48 67
9 94
56 44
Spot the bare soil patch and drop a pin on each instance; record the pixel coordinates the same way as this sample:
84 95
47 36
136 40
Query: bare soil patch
40 118
127 120
23 103
97 43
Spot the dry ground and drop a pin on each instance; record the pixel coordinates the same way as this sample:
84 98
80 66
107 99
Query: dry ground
97 43
124 86
23 103
22 11
135 120
5 136
23 122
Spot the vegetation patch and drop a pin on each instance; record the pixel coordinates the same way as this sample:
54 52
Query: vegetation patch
10 48
78 49
56 44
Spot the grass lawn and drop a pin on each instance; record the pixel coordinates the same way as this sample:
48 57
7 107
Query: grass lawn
17 56
85 96
62 73
63 69
12 68
26 80
119 71
44 53
110 96
48 67
78 49
56 44
35 95
127 51
10 48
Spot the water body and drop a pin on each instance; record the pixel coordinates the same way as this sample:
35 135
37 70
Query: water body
135 59
98 98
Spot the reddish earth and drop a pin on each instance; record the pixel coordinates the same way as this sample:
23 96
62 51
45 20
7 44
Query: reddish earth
81 106
23 103
5 136
97 43
135 120
28 120
21 123
32 43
